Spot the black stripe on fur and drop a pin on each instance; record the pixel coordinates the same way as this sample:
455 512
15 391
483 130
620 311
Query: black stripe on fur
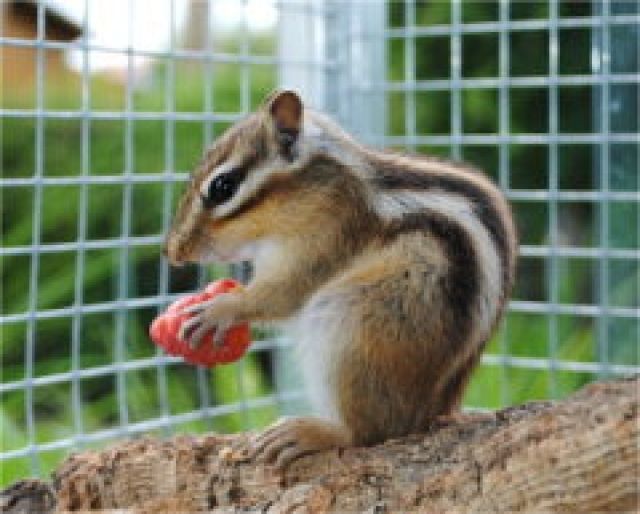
483 206
461 285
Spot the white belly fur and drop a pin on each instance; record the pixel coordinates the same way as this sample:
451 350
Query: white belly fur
319 333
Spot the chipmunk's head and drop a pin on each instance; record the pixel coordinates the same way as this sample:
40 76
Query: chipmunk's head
247 190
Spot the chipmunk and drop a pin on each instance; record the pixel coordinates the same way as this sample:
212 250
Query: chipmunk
394 268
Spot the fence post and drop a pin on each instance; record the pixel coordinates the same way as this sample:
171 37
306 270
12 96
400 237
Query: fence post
334 53
302 50
356 46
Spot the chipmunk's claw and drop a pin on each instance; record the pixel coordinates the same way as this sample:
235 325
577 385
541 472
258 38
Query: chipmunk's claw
291 438
205 320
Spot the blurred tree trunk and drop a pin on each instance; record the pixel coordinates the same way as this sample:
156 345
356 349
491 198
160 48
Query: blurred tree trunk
196 26
579 455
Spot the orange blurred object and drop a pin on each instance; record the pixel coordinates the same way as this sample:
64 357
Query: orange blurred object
165 329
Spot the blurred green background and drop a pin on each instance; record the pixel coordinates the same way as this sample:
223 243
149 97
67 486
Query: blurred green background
194 86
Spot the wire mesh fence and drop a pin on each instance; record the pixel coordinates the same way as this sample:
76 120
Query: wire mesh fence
543 96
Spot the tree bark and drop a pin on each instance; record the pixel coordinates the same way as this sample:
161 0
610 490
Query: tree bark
578 455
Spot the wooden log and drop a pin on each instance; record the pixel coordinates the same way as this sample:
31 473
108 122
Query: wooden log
578 455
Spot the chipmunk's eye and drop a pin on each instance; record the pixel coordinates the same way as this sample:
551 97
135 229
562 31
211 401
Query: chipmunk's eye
221 189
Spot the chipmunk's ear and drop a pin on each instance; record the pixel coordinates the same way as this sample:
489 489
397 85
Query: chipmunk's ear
285 109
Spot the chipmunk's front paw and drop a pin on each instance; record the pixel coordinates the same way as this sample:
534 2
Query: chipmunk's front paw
217 315
291 438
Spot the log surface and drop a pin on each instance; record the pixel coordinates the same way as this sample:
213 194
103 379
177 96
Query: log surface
577 455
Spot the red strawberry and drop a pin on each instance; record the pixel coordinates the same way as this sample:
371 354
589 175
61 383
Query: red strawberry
165 328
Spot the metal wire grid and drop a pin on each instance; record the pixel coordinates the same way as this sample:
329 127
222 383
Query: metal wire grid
354 82
209 58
